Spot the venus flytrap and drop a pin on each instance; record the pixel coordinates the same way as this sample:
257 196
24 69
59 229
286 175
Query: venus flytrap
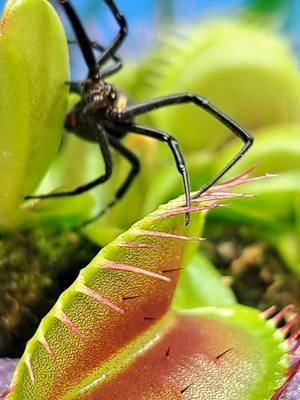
117 319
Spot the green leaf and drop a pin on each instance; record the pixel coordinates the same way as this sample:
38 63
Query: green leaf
248 72
33 99
201 284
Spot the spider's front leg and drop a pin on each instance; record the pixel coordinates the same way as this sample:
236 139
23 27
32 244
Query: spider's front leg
86 45
124 187
177 154
182 98
117 42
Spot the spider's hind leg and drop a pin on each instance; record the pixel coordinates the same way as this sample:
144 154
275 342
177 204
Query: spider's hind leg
124 187
177 154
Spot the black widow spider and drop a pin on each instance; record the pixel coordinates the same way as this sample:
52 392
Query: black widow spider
103 116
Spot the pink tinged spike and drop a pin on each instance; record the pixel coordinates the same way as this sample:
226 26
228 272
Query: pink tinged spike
29 367
226 195
103 300
166 235
288 327
129 268
241 177
138 245
66 321
239 181
281 314
46 346
6 392
294 337
183 210
293 371
217 196
269 312
294 346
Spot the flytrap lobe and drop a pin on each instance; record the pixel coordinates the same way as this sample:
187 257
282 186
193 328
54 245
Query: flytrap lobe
117 319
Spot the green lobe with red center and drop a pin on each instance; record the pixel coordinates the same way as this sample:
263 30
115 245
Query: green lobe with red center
114 332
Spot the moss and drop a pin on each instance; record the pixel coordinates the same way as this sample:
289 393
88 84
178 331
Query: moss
252 267
36 266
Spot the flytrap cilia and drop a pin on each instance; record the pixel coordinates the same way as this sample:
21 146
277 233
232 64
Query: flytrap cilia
104 116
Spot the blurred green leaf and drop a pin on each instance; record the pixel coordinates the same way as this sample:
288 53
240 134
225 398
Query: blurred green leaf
201 284
33 99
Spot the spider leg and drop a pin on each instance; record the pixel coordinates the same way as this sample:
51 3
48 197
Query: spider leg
120 36
83 40
122 190
102 140
118 64
85 44
135 166
182 98
177 154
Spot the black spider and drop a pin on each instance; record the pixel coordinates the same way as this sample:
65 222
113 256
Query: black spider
103 115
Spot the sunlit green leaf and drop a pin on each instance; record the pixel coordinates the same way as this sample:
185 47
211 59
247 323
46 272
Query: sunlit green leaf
33 98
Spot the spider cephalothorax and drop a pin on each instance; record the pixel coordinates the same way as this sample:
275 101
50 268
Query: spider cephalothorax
103 115
98 95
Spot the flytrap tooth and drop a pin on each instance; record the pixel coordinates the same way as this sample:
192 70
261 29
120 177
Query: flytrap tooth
8 391
289 325
294 336
29 368
243 181
102 300
281 314
269 312
183 210
69 324
294 369
130 268
166 235
47 346
219 196
295 346
292 372
235 181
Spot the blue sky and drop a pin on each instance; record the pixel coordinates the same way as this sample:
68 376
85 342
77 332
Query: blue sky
145 18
